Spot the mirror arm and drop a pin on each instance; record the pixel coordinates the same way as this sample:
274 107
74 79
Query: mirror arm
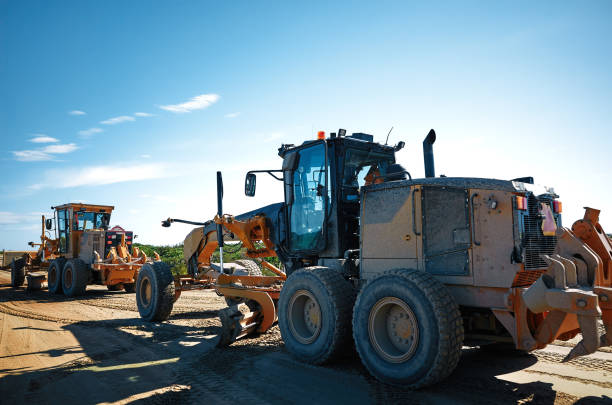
270 172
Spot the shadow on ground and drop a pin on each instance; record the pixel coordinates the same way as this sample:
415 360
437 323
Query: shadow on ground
138 362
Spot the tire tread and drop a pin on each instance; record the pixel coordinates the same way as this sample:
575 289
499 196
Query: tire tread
450 325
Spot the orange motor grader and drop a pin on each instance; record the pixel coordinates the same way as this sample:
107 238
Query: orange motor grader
240 282
408 270
78 249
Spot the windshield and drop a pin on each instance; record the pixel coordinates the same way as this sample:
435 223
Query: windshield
90 220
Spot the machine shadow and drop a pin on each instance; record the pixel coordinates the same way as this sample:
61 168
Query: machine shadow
23 294
139 361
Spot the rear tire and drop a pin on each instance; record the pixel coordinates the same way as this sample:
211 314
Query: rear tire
155 291
314 313
18 272
407 329
75 277
129 287
54 275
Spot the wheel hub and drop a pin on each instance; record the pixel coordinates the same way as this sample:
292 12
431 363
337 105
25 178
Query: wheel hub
304 316
393 330
146 291
52 275
68 277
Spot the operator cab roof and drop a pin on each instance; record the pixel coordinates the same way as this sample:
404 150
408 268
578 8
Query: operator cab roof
357 139
85 207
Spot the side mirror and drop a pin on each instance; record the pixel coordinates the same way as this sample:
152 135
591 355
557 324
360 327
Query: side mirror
249 184
49 224
400 145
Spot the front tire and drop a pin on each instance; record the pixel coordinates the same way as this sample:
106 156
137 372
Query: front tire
54 275
314 312
155 291
17 272
407 329
75 277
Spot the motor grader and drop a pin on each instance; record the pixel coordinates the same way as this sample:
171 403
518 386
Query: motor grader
80 251
408 270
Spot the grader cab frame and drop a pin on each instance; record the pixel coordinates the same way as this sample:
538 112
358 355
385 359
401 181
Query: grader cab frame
80 251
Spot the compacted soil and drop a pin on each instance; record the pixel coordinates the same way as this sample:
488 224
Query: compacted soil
96 349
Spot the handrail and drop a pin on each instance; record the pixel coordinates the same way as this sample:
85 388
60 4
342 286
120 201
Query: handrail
474 220
413 212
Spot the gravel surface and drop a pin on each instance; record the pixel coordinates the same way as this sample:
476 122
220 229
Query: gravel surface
96 349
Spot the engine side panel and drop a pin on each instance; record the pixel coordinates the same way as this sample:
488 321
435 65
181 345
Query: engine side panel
493 238
388 239
91 240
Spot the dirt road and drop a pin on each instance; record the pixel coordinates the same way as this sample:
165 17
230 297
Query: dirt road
95 349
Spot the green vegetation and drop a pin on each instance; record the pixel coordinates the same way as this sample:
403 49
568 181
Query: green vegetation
173 255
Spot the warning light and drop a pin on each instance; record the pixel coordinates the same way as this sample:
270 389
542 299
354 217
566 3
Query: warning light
321 135
557 207
521 203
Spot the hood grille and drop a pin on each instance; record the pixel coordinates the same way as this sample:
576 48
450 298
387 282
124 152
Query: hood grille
535 243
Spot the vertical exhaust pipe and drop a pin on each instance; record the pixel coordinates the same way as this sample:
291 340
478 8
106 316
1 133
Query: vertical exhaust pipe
428 157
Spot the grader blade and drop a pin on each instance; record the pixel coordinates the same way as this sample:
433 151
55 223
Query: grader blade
239 321
236 324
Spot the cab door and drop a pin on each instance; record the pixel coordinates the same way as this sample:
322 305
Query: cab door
63 226
307 200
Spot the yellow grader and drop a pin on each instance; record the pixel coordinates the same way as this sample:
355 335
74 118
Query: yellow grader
81 251
409 270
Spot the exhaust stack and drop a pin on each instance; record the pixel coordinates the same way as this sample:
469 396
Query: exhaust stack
428 157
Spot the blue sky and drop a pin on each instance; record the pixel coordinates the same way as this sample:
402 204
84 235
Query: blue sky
137 104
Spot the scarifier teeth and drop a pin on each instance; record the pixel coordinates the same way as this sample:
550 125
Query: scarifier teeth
605 341
577 351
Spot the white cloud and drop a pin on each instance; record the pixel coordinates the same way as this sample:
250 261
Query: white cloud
145 156
65 148
45 153
274 136
142 114
101 175
117 120
196 103
232 115
31 155
13 218
77 112
86 133
43 139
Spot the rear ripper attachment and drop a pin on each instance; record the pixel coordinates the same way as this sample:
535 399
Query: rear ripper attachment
251 297
574 291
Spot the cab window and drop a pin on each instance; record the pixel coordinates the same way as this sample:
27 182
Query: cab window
89 220
307 212
357 164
